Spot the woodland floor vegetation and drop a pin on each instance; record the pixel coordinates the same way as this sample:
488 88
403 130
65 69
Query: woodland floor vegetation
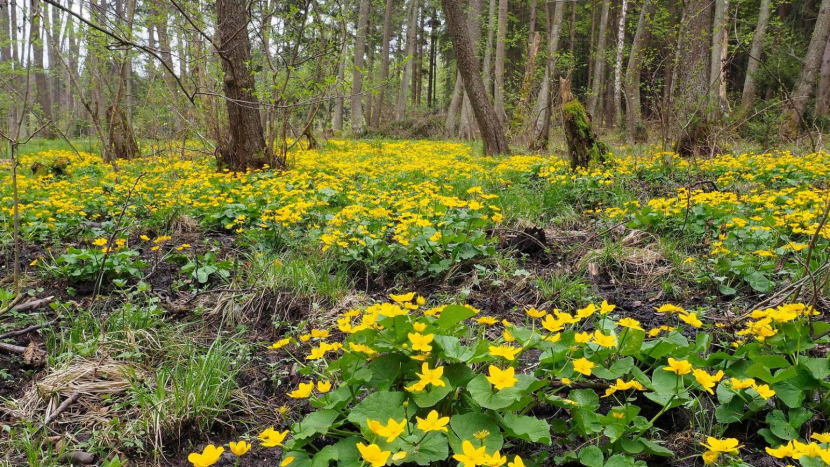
389 302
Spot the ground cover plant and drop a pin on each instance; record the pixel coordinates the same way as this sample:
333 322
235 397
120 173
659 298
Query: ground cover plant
412 303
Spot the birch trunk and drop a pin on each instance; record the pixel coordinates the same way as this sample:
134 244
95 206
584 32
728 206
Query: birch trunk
357 70
411 38
618 66
599 60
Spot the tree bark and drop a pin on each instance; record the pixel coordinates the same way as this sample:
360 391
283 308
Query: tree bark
720 31
599 60
633 110
468 128
411 38
246 146
384 62
488 50
357 70
42 97
618 66
806 83
823 97
498 92
692 81
488 123
755 50
543 110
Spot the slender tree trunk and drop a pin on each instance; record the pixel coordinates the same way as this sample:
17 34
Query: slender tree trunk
501 40
54 75
691 85
488 123
411 37
357 70
41 83
755 51
488 50
455 105
720 31
543 110
384 62
468 128
598 79
592 54
823 97
571 39
246 146
633 114
337 114
806 83
618 66
433 65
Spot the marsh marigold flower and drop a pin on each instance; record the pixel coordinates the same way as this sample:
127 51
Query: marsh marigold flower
373 454
502 379
207 457
433 422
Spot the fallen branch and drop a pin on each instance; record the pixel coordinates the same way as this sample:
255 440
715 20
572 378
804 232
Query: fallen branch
78 458
61 408
24 331
12 348
34 304
11 305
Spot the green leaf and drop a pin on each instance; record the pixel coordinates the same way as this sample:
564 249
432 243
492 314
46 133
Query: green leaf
380 406
664 381
385 370
591 456
452 315
818 367
730 412
780 427
758 281
620 460
300 458
347 453
432 449
633 342
656 449
632 446
326 455
463 428
453 350
315 423
488 397
771 361
790 391
432 394
527 428
585 398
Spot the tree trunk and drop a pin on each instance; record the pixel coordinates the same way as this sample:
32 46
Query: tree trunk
488 123
583 145
54 77
455 105
41 84
748 95
433 65
543 110
692 77
337 114
823 97
618 66
357 69
384 63
468 128
411 38
488 50
806 83
501 40
599 60
634 129
246 146
717 78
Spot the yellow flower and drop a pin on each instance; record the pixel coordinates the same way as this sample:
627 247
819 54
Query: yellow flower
681 367
280 344
428 377
565 318
317 353
373 454
239 448
582 337
554 337
517 462
208 456
618 415
33 263
287 461
144 238
785 450
420 342
508 336
764 391
407 297
433 422
584 366
102 242
320 334
305 337
606 308
728 445
808 449
324 386
821 437
390 431
505 351
496 460
710 457
630 323
302 392
621 385
485 320
534 313
271 438
470 457
669 308
399 455
362 348
603 340
738 384
502 379
691 319
707 381
481 435
551 324
589 310
419 327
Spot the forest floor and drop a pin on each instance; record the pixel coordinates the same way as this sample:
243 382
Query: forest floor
166 282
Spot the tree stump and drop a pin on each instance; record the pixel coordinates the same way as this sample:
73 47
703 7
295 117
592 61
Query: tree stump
122 144
583 145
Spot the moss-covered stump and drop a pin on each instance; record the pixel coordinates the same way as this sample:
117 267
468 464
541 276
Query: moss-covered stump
583 145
